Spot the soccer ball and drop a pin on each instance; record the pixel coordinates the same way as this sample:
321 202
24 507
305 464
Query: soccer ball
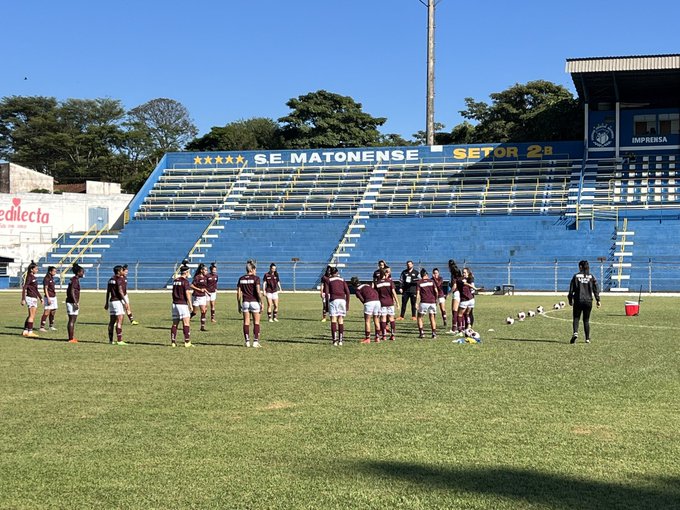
556 306
531 313
562 304
521 316
509 320
539 309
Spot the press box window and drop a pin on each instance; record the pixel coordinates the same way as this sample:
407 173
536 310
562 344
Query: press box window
644 125
669 123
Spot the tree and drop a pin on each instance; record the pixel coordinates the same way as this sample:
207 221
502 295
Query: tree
539 110
393 140
250 134
323 119
167 123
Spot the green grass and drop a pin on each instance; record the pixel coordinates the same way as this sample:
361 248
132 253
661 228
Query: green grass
524 420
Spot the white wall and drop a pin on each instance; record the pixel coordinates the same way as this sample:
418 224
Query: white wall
30 221
24 180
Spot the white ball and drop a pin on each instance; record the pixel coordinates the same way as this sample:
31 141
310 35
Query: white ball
539 309
521 316
556 306
531 313
509 320
562 304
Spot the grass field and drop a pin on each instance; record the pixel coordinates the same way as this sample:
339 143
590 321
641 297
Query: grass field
523 420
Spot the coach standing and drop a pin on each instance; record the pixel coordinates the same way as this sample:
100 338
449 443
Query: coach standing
409 288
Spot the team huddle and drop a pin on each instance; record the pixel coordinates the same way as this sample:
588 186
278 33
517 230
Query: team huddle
379 298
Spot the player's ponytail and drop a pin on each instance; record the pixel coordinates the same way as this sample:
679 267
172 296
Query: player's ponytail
251 265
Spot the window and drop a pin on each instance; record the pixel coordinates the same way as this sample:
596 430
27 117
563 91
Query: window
644 125
669 123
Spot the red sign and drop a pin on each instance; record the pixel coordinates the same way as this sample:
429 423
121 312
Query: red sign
17 215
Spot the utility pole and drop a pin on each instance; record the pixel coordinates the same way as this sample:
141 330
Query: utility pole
429 110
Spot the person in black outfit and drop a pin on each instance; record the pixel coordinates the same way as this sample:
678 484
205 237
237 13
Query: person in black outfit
409 288
581 291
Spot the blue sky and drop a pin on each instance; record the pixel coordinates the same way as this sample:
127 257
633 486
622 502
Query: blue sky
234 59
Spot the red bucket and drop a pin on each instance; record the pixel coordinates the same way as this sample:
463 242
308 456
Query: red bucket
632 308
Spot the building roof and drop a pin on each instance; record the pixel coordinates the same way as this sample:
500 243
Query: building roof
643 80
78 187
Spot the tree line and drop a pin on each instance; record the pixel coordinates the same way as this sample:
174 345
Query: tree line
98 139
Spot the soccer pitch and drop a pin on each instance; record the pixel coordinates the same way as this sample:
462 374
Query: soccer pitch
523 420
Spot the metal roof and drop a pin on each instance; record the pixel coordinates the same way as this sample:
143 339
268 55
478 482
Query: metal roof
630 63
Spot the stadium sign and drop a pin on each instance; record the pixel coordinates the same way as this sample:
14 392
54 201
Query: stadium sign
15 214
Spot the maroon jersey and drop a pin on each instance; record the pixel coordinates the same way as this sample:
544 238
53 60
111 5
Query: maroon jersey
324 284
367 293
31 286
211 282
439 283
271 282
123 284
338 289
48 284
113 289
385 289
200 283
249 283
376 275
73 290
466 292
180 286
428 291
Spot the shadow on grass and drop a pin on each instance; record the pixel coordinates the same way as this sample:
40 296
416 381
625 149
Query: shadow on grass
544 489
540 340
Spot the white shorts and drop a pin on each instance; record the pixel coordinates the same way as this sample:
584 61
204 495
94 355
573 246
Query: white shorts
427 308
71 309
456 296
272 295
372 308
31 302
467 304
387 310
50 303
442 300
212 296
250 306
116 308
337 308
180 312
200 300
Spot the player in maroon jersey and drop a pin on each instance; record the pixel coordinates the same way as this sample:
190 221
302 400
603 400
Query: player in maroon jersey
371 301
438 280
249 299
376 274
126 300
30 295
427 296
338 305
324 292
115 305
387 293
181 307
49 299
467 299
272 287
200 287
212 280
454 291
73 302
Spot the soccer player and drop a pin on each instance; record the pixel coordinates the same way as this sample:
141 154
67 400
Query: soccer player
409 289
454 290
467 299
73 301
29 297
376 274
115 305
249 299
200 288
49 299
181 307
582 288
371 301
272 287
439 283
387 293
126 300
211 281
338 305
427 296
324 292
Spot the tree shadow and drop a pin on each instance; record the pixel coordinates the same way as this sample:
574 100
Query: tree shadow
545 489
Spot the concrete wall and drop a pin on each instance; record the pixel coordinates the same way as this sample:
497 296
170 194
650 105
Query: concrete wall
29 222
17 179
102 188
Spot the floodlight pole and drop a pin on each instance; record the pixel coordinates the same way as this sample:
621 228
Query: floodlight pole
429 113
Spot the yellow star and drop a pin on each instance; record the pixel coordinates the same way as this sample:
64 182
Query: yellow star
218 160
197 160
229 159
207 160
239 159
